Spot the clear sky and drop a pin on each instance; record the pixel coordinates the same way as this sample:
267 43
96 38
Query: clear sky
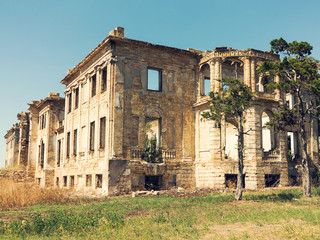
41 40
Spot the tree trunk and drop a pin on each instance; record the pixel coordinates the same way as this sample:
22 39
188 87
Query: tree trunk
238 195
302 142
306 178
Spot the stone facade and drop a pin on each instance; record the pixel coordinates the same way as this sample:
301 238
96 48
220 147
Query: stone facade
17 139
126 94
12 146
46 117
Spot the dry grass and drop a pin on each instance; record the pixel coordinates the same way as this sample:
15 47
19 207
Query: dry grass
16 195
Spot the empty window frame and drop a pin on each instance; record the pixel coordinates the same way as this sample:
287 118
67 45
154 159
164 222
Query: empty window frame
69 102
65 181
76 98
104 80
59 153
98 180
154 79
71 181
93 85
206 86
92 130
57 181
42 121
153 129
42 149
75 141
68 144
88 180
102 142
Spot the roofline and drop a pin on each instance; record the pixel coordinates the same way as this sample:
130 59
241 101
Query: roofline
11 130
40 103
120 39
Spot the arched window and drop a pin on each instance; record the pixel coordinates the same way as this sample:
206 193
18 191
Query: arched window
232 68
205 80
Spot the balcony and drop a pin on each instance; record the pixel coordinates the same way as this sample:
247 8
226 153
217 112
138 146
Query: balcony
136 154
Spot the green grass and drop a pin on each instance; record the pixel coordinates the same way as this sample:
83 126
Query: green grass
272 214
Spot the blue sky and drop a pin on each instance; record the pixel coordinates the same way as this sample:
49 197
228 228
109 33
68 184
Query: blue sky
41 40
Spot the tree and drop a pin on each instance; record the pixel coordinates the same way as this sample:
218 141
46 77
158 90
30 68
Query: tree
230 104
300 77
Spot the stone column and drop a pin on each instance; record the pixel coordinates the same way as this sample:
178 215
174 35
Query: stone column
217 74
212 77
247 71
253 75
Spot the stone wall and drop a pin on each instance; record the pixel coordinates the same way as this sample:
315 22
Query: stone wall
17 175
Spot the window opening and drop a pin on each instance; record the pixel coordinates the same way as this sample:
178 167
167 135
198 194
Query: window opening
232 179
57 181
292 145
92 129
231 142
42 149
98 180
42 121
154 80
102 132
93 85
69 102
153 130
65 181
272 180
88 180
76 98
59 153
206 86
68 144
75 141
266 133
71 181
104 80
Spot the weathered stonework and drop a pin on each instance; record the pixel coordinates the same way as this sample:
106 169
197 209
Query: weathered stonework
126 90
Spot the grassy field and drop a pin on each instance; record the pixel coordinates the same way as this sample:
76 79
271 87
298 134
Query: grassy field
271 214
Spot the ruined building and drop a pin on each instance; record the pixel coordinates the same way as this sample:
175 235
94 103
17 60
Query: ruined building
126 96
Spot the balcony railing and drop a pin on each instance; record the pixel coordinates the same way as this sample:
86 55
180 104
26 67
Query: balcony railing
136 154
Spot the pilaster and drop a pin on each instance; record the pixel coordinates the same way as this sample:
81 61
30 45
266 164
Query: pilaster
253 75
217 74
247 71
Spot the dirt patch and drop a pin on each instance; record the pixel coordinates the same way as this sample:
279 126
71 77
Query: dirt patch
189 192
283 230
